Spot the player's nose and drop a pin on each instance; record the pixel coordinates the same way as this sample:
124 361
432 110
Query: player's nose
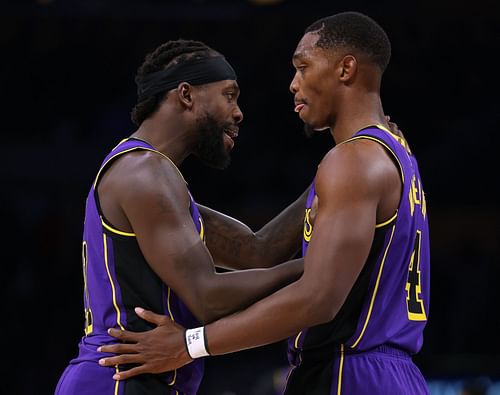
238 115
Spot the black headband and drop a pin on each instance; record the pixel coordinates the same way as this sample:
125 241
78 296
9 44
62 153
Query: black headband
193 71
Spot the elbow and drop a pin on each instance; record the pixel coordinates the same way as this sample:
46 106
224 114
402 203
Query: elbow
194 299
325 313
320 307
256 254
204 317
208 305
208 312
204 312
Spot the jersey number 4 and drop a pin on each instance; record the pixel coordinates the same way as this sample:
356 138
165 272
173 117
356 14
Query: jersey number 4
415 305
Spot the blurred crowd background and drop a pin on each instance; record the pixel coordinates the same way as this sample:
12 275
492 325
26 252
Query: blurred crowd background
67 84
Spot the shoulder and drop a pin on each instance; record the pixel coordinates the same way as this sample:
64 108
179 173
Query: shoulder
144 164
143 173
358 166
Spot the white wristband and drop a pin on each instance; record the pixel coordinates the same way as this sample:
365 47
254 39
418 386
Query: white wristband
196 342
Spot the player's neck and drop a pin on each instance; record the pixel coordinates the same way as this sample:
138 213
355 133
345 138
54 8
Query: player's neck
172 138
356 114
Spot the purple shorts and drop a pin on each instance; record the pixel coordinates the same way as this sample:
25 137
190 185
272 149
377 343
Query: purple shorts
382 371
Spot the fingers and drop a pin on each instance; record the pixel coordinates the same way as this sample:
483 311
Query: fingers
120 360
126 374
152 317
123 335
119 348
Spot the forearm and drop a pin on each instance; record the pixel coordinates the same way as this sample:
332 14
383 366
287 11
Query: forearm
282 236
234 245
163 348
283 314
229 292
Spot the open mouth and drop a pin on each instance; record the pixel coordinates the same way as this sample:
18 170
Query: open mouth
229 135
231 132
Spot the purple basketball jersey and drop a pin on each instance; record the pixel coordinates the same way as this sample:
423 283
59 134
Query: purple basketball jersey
388 306
117 278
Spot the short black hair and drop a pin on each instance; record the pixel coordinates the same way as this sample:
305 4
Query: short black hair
168 54
354 30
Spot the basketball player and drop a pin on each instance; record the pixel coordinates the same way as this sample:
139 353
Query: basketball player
144 237
356 316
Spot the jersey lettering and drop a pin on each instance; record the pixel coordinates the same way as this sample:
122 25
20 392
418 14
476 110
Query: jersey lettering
307 225
416 196
415 305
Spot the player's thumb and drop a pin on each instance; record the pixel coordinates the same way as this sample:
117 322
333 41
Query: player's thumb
151 317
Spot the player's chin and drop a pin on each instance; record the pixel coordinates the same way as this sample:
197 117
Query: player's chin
308 120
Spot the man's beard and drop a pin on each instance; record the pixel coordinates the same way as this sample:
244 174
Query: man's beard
210 149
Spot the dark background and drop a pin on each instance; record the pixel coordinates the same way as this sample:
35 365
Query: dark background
67 88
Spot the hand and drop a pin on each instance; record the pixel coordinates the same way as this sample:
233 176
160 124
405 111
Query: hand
393 127
155 351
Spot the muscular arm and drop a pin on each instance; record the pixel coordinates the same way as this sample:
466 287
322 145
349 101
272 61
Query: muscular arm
357 186
155 201
234 245
343 232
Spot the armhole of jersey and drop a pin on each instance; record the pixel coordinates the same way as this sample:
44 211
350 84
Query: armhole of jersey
106 223
398 164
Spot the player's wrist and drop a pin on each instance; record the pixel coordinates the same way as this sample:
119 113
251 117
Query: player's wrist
196 342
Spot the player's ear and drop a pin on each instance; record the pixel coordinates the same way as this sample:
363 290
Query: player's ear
347 68
185 95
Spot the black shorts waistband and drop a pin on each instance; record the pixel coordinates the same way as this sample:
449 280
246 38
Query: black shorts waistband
325 354
384 349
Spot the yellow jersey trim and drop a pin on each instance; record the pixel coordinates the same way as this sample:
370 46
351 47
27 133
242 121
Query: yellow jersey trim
134 149
174 378
202 229
117 383
381 225
296 344
120 143
108 227
172 382
168 305
89 320
113 290
341 367
118 232
372 301
399 139
114 156
386 147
